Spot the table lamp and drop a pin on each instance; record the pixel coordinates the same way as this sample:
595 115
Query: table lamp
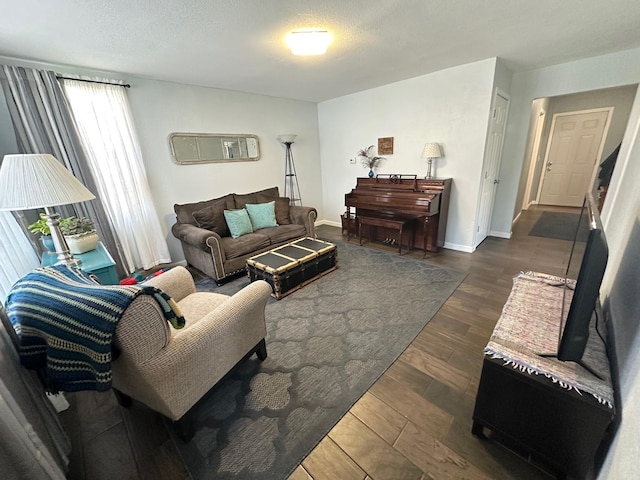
38 180
431 151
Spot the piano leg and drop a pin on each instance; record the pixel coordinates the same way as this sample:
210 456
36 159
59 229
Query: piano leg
425 237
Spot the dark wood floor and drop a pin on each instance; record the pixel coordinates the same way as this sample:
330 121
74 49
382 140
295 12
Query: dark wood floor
413 423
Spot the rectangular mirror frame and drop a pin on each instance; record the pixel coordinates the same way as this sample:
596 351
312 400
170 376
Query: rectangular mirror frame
194 148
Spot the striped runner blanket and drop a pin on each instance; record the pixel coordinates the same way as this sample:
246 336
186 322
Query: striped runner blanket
66 321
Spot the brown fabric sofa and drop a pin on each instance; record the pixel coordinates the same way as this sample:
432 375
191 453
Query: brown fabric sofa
208 245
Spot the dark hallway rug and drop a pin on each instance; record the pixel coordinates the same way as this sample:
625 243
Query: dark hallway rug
327 344
558 225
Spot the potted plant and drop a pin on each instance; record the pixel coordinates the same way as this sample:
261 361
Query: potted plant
79 233
40 227
369 160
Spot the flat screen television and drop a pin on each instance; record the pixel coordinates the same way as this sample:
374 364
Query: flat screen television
587 263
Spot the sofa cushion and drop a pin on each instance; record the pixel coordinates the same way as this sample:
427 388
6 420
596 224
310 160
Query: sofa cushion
283 233
184 213
212 218
242 199
249 243
262 215
238 222
282 208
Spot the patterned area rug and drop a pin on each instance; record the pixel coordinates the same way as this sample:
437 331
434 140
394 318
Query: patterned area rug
558 225
327 344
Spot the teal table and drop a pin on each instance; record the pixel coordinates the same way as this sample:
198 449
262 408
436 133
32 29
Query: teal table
97 262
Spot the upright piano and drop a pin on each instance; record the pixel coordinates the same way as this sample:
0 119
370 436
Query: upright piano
424 202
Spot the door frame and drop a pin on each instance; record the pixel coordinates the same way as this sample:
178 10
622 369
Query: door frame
541 118
596 164
497 92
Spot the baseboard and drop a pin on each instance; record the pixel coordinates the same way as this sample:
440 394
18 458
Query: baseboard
459 248
516 219
328 222
506 235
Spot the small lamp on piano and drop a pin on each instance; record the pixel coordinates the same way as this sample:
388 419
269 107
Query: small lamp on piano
431 151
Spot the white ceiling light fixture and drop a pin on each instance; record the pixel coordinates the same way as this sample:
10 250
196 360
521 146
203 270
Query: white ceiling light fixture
309 42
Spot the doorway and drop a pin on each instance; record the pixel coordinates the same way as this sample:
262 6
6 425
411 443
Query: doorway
536 155
573 154
491 164
618 99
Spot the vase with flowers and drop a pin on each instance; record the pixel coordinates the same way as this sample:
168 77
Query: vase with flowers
369 160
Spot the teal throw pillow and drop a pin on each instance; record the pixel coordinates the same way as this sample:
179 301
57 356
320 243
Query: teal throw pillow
238 222
262 215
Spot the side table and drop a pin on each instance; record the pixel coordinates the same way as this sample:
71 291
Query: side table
97 262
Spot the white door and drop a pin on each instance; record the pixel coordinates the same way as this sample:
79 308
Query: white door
574 147
491 164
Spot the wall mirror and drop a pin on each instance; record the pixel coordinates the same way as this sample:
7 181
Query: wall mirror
188 148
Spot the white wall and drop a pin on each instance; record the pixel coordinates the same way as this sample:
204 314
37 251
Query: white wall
450 107
162 107
621 219
622 68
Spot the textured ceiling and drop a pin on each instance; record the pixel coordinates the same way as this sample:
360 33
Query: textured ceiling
240 44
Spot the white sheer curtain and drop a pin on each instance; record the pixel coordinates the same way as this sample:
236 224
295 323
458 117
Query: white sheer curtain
17 257
106 127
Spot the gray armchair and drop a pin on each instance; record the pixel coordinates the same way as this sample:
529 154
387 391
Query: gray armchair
170 370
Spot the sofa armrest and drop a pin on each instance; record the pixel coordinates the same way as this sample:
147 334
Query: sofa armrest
304 216
193 235
176 282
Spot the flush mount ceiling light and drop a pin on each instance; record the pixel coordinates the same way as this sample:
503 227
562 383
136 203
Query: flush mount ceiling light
309 42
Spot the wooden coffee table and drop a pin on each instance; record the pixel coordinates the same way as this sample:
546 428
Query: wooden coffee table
292 266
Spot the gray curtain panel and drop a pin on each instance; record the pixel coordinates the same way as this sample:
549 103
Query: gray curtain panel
32 442
43 123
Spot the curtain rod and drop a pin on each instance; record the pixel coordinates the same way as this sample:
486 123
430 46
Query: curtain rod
125 85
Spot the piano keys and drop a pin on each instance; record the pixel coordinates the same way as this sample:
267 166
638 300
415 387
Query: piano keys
401 197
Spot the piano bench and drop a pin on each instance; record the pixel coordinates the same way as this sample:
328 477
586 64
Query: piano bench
393 223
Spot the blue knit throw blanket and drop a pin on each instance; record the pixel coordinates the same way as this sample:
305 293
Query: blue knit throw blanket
66 321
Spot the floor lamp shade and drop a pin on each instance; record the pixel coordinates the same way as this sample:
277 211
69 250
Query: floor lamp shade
37 181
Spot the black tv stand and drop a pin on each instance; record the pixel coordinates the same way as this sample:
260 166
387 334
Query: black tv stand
564 429
579 362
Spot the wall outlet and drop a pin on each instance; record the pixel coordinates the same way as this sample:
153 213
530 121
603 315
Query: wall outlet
59 402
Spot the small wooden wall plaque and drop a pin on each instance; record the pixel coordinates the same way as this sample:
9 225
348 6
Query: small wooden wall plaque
385 146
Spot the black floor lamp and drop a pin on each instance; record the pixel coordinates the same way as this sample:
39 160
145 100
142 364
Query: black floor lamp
291 188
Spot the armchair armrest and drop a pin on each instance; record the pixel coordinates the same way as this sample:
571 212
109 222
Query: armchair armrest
176 282
198 356
304 216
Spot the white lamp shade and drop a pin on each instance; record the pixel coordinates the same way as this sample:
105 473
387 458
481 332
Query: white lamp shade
287 137
431 150
309 42
36 181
